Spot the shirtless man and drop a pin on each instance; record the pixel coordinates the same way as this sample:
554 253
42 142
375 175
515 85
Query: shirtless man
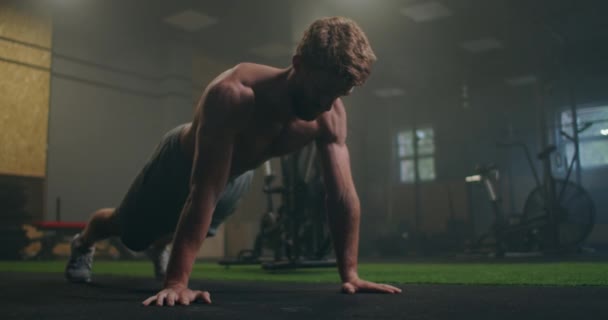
247 115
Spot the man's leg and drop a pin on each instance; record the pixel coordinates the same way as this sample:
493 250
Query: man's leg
103 224
159 253
229 200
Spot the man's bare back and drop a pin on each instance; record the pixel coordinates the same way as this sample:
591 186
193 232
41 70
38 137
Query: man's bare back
271 129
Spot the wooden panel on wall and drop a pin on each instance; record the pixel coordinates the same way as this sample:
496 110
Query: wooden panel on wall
25 54
24 91
25 25
24 100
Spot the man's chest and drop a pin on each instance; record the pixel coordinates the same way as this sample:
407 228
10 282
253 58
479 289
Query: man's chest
261 142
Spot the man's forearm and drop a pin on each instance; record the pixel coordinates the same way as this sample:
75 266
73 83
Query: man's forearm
189 236
344 220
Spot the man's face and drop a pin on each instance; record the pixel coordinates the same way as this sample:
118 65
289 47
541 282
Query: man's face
314 92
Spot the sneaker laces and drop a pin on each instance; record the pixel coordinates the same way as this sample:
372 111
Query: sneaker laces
84 255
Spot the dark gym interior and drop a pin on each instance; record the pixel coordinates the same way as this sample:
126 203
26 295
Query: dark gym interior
481 137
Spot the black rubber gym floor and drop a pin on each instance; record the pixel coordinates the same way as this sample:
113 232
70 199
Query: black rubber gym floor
48 296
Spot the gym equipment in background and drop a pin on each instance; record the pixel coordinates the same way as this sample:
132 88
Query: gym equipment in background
296 232
50 233
558 214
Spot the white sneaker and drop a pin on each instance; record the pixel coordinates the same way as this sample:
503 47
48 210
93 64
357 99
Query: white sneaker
80 262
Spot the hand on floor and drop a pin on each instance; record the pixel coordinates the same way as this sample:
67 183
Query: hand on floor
359 285
177 295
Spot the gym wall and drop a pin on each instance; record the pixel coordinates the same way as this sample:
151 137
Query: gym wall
109 104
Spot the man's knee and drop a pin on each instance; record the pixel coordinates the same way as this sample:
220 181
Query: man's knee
142 241
135 242
113 220
103 223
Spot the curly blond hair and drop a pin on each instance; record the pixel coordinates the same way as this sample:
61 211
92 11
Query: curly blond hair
338 45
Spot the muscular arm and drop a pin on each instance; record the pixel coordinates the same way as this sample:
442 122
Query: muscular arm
343 208
342 200
220 121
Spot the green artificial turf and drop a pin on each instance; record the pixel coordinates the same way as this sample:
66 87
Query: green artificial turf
559 274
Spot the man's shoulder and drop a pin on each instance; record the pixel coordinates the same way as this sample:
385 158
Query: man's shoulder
229 99
230 91
227 102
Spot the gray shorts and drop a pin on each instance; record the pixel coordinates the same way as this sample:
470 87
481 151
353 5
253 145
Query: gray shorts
154 202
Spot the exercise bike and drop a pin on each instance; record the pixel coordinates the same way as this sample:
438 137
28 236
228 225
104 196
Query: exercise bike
558 215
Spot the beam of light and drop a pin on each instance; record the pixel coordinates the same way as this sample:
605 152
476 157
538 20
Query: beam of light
604 132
